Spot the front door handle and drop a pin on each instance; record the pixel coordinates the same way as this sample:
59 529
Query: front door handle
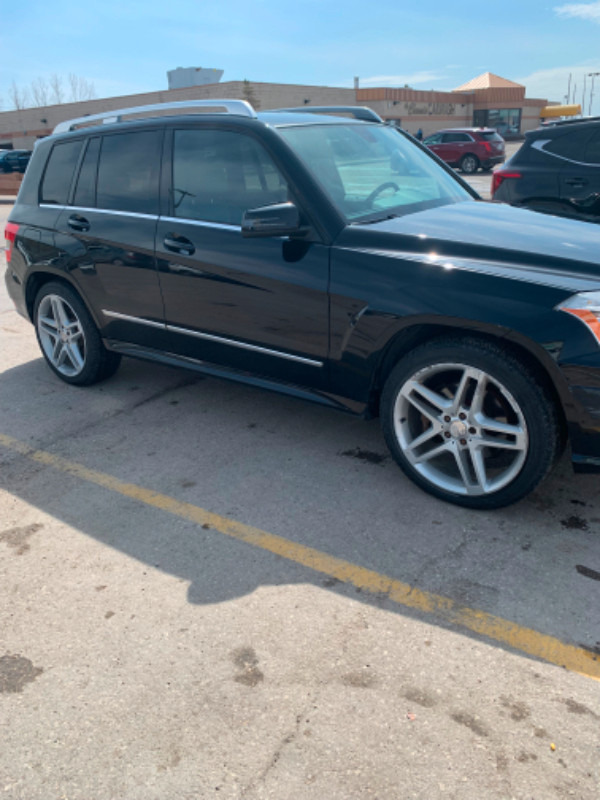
179 244
78 223
577 182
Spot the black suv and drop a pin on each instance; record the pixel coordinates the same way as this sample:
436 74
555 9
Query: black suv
556 170
332 258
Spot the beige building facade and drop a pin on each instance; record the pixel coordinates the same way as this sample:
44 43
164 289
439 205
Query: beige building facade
487 100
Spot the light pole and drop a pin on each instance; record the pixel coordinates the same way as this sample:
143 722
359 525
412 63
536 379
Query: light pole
591 75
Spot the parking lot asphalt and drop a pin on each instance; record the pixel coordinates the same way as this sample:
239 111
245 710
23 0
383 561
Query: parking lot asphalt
212 591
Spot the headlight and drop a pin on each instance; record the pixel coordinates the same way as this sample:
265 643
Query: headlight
585 306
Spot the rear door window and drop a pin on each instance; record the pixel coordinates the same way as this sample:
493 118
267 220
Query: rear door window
128 172
456 137
59 172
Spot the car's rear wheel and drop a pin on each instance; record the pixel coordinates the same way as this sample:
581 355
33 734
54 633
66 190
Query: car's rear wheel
68 337
469 164
469 423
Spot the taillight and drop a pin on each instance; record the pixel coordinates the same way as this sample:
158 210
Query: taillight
488 147
10 233
500 176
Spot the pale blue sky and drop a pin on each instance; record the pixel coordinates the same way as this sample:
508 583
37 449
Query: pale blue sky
127 47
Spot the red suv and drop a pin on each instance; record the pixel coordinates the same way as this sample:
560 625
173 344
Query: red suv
468 148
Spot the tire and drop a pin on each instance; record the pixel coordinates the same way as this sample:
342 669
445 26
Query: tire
469 423
68 338
469 164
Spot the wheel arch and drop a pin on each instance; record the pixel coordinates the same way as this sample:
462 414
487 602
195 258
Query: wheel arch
530 353
40 278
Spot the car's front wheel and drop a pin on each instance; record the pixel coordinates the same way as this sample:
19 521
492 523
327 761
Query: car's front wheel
469 423
68 337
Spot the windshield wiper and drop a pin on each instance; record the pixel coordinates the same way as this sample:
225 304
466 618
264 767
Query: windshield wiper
377 219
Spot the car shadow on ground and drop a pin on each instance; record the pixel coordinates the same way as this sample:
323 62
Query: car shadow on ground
314 476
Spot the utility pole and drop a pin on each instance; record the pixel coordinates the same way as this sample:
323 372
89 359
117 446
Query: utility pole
592 75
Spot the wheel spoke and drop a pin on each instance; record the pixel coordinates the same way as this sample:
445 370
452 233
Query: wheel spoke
433 453
416 393
495 426
48 325
463 462
503 444
59 311
479 393
479 467
59 354
74 355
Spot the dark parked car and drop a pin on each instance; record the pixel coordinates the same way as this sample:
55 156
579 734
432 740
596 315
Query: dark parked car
468 148
14 160
556 170
332 259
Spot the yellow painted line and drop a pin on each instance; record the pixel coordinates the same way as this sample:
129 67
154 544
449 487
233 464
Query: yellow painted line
539 645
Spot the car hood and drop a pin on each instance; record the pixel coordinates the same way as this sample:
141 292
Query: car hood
543 248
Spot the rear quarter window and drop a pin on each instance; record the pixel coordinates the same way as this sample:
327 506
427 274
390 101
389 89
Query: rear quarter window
491 136
570 145
59 172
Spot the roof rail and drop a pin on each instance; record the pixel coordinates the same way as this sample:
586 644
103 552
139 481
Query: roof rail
359 112
551 122
239 107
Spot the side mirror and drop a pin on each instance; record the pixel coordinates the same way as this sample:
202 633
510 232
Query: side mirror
279 219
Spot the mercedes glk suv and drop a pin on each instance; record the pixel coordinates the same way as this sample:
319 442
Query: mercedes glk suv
330 257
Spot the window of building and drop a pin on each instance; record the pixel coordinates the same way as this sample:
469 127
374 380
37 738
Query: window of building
128 172
217 175
59 172
507 121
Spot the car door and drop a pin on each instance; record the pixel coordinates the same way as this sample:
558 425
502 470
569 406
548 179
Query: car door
580 179
434 143
256 305
109 227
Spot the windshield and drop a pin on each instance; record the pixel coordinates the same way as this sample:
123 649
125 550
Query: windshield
372 171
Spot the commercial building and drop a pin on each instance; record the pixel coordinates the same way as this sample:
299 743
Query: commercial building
486 100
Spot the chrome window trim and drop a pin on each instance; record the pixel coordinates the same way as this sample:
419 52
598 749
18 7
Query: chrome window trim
139 320
212 338
135 214
202 224
540 144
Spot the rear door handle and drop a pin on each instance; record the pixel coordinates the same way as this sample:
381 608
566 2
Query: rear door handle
578 182
78 223
179 244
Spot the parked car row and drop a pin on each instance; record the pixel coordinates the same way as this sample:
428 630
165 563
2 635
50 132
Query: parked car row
14 160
